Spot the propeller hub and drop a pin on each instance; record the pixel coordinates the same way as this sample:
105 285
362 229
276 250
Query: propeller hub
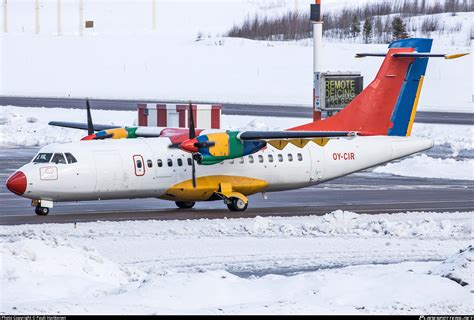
188 145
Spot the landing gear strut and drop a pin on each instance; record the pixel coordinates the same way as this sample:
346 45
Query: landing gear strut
236 204
185 204
41 211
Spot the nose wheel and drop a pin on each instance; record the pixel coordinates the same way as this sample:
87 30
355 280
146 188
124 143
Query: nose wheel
41 211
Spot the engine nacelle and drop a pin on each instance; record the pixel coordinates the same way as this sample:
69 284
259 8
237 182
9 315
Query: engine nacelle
213 148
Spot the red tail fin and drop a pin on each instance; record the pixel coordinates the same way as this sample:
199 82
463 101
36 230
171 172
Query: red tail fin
372 109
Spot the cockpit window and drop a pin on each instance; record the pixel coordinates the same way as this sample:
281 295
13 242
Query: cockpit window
43 158
58 158
70 158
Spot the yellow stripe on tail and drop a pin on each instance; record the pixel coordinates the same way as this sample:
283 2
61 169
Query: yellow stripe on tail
415 105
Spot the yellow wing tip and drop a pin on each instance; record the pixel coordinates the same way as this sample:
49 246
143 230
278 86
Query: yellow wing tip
455 56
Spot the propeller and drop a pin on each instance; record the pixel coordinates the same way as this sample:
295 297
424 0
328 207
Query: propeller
192 145
192 135
90 126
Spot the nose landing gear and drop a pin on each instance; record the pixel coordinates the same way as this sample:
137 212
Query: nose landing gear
41 211
42 206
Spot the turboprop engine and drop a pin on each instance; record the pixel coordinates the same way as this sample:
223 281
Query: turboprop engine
213 148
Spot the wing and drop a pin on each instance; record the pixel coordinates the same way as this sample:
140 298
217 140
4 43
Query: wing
81 126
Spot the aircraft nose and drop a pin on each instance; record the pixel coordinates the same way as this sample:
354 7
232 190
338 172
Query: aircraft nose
16 183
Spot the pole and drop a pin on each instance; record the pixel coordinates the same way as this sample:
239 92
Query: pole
58 22
37 16
317 22
5 16
153 14
81 16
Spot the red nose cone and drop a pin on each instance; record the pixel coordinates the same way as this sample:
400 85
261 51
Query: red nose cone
188 145
17 183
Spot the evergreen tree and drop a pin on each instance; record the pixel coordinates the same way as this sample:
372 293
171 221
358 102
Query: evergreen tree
399 30
367 30
355 26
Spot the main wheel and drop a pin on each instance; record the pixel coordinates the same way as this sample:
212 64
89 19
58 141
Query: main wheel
41 211
237 204
185 204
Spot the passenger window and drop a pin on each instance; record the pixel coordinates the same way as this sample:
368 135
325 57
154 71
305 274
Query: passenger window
190 162
280 158
43 158
58 158
250 159
170 163
149 163
300 157
241 160
70 158
139 164
260 158
159 163
290 157
180 162
270 158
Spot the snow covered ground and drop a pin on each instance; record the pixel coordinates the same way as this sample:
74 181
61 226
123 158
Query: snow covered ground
451 158
338 263
128 60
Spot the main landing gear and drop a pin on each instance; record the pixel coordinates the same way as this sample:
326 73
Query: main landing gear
236 204
185 204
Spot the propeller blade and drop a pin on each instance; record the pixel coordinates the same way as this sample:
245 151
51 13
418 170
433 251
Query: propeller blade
90 126
192 131
194 174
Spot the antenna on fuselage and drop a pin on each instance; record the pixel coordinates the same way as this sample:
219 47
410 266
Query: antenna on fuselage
90 125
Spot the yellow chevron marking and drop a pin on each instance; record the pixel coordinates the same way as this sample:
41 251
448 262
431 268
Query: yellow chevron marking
279 144
221 148
415 105
321 141
300 143
455 56
207 186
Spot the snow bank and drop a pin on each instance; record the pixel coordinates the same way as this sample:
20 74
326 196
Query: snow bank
34 261
427 167
459 268
337 263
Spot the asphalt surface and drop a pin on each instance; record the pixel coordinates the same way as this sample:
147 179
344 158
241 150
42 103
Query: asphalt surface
362 193
227 108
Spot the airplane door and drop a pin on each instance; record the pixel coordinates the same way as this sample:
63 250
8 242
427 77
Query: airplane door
109 168
317 163
139 165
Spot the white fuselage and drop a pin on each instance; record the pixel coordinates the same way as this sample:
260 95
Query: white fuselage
110 169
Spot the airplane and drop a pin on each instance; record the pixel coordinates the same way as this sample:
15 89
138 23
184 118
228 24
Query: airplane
190 165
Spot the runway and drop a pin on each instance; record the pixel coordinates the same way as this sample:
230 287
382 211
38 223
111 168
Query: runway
362 193
227 108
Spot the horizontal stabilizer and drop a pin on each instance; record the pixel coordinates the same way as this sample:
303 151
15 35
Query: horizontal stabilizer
414 55
269 135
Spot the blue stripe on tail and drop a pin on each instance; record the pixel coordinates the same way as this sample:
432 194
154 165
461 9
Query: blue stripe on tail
403 109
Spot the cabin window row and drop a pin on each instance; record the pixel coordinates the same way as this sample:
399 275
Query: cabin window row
251 159
271 158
